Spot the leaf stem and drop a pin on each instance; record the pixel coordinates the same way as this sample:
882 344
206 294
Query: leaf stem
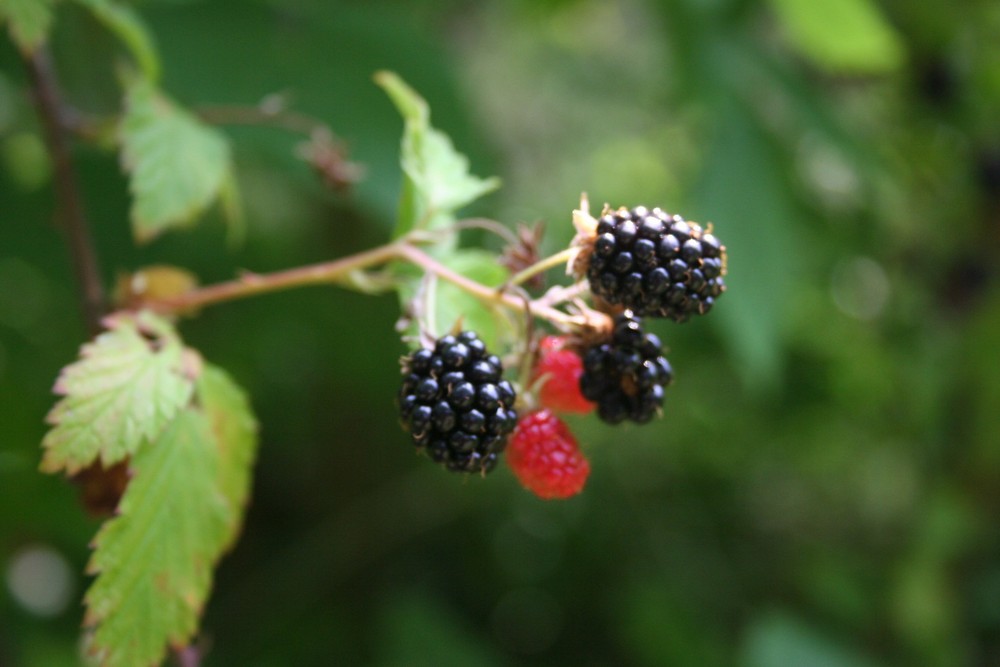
541 266
68 195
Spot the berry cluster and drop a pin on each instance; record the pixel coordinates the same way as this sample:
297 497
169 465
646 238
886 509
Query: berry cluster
456 404
626 375
639 263
655 264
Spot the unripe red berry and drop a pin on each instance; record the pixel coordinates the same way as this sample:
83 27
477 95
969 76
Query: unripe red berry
546 458
560 369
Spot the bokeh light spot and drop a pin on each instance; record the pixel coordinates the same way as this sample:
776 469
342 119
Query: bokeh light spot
40 580
860 288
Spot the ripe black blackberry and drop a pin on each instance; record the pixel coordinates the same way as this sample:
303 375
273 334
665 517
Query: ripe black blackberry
455 403
654 263
626 376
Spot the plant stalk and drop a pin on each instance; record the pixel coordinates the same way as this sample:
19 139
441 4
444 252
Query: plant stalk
68 194
252 284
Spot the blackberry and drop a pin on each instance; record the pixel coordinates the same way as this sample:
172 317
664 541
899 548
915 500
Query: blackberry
455 403
626 376
655 264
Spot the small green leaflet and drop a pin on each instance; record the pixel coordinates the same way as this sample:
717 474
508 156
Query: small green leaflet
177 165
127 385
29 21
843 36
181 511
451 304
126 24
438 181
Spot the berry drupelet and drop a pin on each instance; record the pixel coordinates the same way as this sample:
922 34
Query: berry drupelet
654 263
626 376
456 404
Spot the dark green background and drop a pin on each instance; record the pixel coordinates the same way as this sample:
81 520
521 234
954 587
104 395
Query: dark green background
823 487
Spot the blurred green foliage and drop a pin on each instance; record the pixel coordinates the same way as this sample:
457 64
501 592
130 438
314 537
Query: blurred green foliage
823 486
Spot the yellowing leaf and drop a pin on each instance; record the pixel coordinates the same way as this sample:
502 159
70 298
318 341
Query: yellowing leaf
127 385
437 180
29 21
177 165
154 560
843 36
159 281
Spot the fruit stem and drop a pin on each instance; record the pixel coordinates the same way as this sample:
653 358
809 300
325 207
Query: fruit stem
541 265
487 294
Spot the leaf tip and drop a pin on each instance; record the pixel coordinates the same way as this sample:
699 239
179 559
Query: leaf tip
48 465
410 104
383 77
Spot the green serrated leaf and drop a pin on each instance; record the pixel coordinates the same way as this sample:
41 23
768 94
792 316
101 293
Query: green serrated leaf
843 36
29 21
234 431
450 304
177 164
128 384
126 24
437 180
154 560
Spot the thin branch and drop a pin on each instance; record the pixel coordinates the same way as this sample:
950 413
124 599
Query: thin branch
488 225
68 195
252 284
271 112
